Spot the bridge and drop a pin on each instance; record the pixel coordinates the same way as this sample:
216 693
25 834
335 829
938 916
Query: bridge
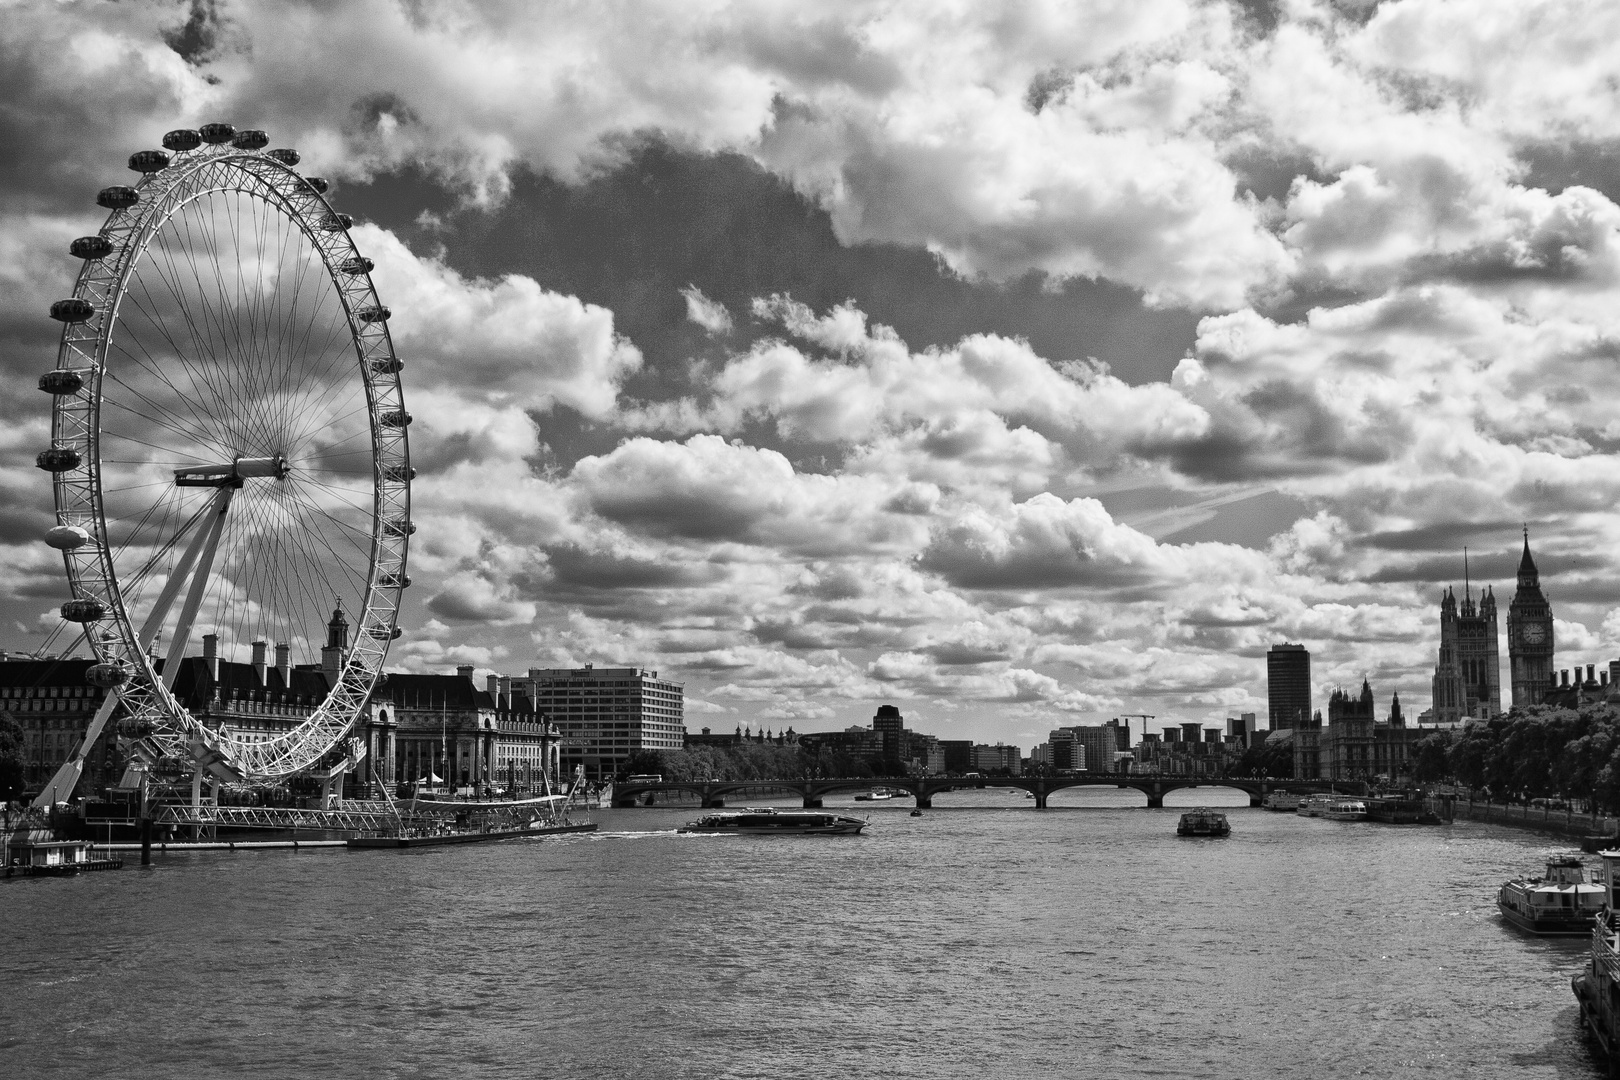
712 793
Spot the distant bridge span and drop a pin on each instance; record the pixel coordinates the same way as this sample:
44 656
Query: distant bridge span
713 793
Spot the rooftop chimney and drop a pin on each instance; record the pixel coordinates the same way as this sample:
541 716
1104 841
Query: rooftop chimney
492 683
284 664
1590 676
258 660
211 655
464 670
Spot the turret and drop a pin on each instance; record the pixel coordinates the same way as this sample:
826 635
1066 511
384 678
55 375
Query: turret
1395 717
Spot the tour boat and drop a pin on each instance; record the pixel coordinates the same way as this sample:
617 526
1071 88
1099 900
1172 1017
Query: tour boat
875 796
1313 805
1282 800
1561 903
767 821
1202 822
1345 810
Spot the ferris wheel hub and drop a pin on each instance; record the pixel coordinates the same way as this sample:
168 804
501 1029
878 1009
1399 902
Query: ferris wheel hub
233 474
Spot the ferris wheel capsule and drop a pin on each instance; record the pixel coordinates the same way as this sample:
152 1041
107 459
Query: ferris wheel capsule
91 247
61 381
318 183
357 265
374 314
148 161
72 310
388 365
250 139
395 418
84 611
107 676
58 459
216 133
67 537
117 197
287 157
182 139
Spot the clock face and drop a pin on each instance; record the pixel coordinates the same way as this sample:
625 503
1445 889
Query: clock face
1534 634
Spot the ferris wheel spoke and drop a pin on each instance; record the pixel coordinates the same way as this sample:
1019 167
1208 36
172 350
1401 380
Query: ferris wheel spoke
202 422
209 417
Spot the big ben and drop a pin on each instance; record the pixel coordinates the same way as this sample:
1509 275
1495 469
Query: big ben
1530 635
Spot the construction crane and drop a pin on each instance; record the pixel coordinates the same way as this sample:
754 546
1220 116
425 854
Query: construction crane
1142 716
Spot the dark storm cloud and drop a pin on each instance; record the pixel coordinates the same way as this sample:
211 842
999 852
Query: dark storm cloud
1445 536
633 237
574 568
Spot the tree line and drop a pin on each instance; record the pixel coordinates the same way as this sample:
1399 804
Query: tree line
1538 751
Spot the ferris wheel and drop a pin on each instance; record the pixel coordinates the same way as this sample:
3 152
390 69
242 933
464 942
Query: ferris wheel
228 435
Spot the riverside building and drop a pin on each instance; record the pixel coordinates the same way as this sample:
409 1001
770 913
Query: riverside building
1468 671
605 714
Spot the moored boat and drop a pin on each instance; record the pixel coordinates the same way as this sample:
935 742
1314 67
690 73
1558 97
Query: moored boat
1561 903
1344 810
1597 985
1396 809
1313 805
1203 822
768 821
1284 801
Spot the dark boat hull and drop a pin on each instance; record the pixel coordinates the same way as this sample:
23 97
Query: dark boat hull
442 839
1546 925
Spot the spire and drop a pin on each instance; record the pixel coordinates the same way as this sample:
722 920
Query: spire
1395 717
1366 690
1468 592
1528 574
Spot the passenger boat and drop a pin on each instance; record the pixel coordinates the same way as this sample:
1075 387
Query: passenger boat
1561 903
771 822
1313 805
1282 800
1344 810
1203 822
878 795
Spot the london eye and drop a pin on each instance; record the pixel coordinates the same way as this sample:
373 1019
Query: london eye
229 448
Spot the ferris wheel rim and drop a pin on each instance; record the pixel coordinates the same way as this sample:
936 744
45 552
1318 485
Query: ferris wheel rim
77 425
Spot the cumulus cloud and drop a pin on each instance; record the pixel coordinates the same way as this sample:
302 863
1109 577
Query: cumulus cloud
1404 334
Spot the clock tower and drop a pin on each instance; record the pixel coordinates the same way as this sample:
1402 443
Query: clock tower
1530 635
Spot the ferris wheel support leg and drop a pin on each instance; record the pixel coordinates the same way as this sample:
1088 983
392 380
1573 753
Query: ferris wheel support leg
199 583
60 789
171 588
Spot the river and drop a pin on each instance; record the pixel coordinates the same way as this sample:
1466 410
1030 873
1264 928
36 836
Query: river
982 939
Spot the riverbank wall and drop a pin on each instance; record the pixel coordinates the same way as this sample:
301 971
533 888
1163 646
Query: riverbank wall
1582 828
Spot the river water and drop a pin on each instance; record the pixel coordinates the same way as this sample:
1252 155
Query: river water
982 939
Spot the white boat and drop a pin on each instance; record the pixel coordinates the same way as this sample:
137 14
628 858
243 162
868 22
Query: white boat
1560 903
874 796
1313 805
1282 800
1345 810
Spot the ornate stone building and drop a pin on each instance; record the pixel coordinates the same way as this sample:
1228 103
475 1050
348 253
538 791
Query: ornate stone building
1353 744
1468 672
1530 635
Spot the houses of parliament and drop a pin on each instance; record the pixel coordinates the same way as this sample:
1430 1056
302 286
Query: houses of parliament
1467 674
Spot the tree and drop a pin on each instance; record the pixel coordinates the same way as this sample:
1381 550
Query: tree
1429 758
13 759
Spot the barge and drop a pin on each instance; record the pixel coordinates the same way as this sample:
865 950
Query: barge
771 822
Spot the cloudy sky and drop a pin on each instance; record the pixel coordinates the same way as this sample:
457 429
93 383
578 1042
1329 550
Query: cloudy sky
1019 364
